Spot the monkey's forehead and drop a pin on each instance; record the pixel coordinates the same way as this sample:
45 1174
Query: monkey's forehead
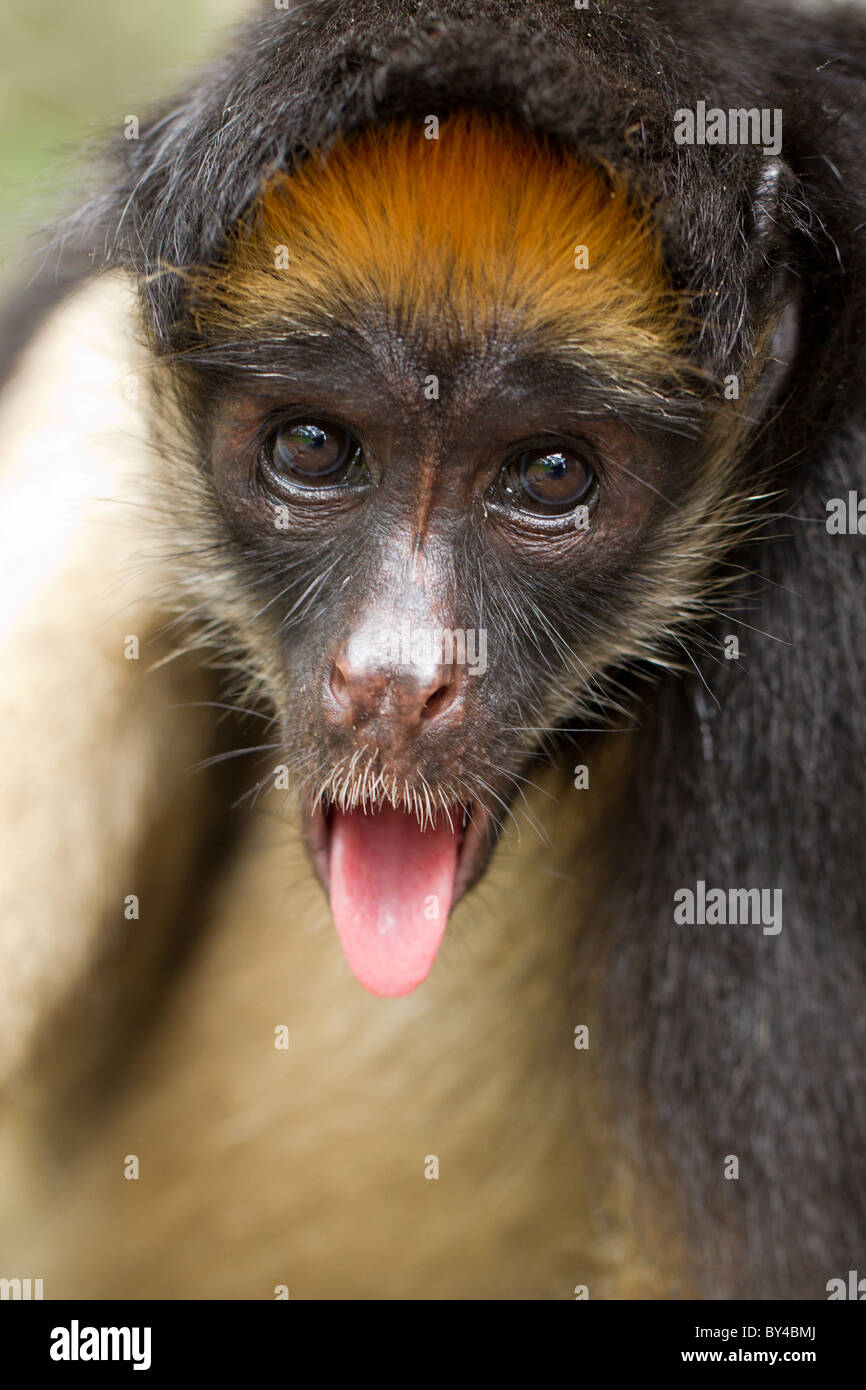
606 81
448 235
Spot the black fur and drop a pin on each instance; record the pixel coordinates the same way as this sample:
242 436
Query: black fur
748 773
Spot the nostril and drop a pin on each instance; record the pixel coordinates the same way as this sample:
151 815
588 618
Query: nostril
393 695
339 687
439 701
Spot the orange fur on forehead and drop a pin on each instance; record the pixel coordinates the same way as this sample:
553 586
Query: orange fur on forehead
478 228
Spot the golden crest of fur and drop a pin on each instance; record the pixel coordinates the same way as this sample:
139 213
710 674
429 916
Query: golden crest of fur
484 226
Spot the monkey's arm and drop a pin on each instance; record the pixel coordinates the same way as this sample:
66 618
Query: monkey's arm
93 748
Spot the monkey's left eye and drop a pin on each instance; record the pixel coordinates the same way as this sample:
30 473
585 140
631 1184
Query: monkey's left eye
547 482
313 454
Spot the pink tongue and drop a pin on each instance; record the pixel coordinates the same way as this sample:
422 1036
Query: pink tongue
391 889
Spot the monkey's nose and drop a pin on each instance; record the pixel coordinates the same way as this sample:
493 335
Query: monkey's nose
405 697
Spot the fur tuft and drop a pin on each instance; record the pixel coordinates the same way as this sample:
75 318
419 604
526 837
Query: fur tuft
474 231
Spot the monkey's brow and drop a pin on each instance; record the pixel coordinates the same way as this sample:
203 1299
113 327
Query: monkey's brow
290 361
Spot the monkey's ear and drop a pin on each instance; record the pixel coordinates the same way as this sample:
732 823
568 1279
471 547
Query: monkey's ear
771 283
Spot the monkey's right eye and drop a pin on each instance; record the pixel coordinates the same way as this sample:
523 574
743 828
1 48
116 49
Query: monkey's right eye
312 454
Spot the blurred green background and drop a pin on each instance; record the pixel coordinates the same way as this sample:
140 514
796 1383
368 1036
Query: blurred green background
71 70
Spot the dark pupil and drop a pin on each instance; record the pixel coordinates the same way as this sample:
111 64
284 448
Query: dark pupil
555 479
309 450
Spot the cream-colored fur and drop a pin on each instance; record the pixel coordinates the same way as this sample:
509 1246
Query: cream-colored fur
83 772
259 1167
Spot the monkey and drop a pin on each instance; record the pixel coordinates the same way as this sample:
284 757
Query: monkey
433 760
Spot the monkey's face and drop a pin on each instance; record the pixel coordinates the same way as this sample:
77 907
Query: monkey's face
452 460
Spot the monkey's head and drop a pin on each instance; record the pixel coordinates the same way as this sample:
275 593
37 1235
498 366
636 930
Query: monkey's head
458 454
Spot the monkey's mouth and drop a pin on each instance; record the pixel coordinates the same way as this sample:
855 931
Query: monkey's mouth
392 884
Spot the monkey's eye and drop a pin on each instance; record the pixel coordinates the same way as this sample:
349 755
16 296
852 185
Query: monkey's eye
546 482
313 454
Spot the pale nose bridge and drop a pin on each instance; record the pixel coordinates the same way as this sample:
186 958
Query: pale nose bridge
400 634
407 612
394 664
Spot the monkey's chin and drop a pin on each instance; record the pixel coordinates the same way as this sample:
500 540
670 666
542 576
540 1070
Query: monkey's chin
392 885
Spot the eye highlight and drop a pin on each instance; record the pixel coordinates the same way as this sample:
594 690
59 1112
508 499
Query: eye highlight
546 481
312 455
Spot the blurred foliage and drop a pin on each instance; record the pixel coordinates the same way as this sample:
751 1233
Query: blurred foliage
72 71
